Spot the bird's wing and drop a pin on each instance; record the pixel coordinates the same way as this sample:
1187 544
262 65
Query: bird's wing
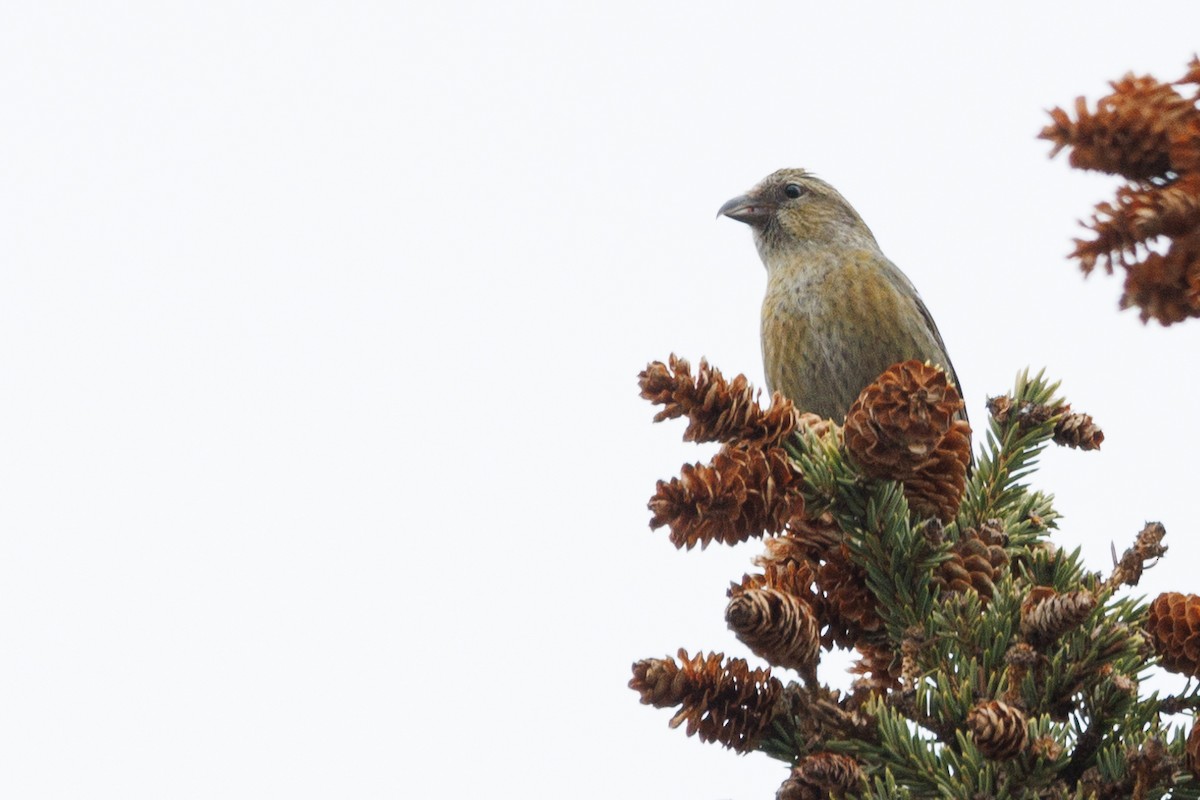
933 328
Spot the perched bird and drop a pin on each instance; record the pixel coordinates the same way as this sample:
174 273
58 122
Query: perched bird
837 312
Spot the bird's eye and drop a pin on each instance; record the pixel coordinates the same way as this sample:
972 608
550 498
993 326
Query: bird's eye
793 190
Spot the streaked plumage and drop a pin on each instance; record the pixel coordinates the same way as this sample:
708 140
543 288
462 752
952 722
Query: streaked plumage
837 312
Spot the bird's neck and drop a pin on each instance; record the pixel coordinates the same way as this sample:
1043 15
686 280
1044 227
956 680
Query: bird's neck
816 253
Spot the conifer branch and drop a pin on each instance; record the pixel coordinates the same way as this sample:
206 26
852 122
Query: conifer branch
990 662
1086 746
1019 428
1176 703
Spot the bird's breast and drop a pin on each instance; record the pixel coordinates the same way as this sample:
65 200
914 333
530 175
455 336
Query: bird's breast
831 327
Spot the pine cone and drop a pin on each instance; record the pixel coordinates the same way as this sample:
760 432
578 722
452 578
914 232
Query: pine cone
880 669
1078 430
1193 750
1174 627
790 577
817 534
718 410
912 646
976 561
1166 286
897 422
1129 133
936 489
1149 764
778 627
740 494
821 776
997 729
1046 614
1140 214
727 703
904 427
850 614
1020 659
1003 409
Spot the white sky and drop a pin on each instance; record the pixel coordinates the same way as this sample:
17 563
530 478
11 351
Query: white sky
324 468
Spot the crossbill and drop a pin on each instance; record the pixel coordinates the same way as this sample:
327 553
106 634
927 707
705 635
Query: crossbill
837 312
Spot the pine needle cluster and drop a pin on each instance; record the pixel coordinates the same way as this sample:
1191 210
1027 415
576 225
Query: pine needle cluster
990 663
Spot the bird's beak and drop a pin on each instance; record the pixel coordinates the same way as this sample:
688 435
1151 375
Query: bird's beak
748 209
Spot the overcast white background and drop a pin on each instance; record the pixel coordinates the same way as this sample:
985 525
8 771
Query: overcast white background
322 467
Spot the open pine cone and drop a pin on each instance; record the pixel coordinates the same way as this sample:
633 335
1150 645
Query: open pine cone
1174 626
908 426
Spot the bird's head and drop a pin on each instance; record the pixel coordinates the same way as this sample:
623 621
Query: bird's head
793 207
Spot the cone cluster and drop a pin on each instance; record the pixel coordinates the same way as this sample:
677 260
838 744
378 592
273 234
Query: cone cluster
1149 133
976 637
811 562
907 426
1174 627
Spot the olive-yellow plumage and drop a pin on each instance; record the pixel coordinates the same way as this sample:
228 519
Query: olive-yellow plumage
837 312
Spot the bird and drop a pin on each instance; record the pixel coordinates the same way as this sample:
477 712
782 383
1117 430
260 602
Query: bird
837 313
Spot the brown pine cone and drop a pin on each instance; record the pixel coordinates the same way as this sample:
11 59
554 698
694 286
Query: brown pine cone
998 729
741 493
821 776
907 426
897 422
879 668
1174 627
779 627
721 702
1046 614
718 410
849 608
1078 430
936 488
1193 750
976 562
1129 132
